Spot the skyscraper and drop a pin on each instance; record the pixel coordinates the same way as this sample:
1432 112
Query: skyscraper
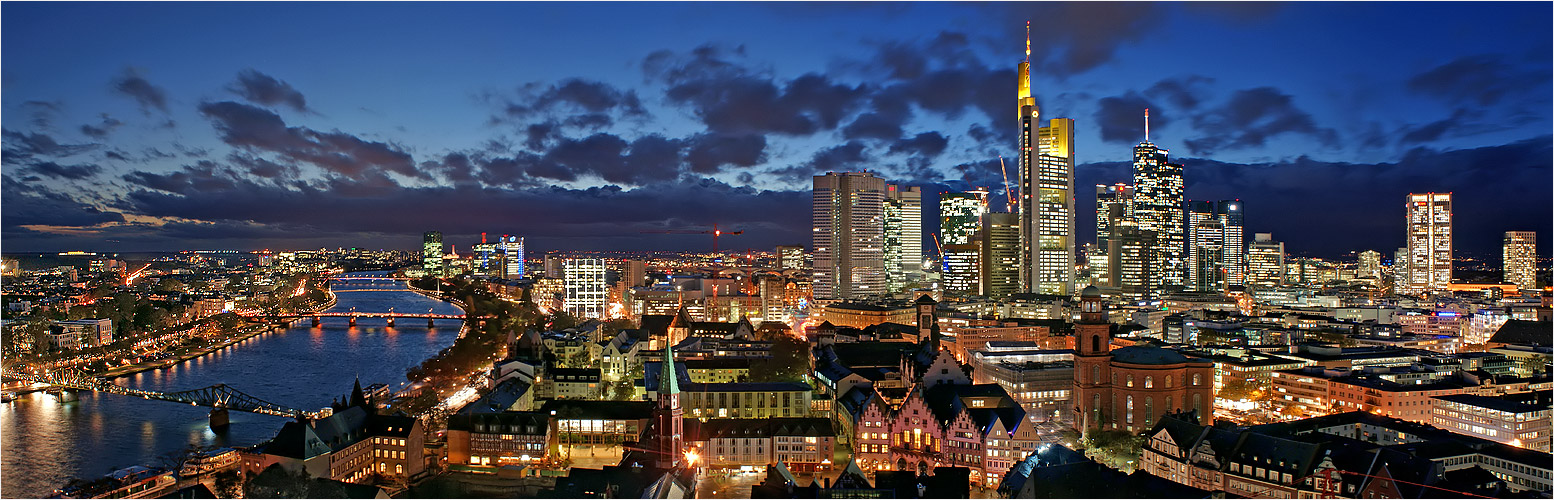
1046 194
960 216
1265 261
1000 254
1214 245
1429 242
849 235
1370 264
790 256
963 269
1157 205
903 236
1131 254
431 253
1112 203
1518 259
586 292
512 252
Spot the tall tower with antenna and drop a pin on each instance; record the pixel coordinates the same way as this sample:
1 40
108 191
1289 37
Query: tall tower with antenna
1046 193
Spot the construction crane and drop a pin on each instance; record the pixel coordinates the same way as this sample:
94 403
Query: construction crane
715 232
1007 192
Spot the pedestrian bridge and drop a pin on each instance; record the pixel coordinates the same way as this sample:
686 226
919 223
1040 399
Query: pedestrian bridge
221 397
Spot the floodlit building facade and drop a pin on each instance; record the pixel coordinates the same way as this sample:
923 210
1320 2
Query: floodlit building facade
1429 243
848 235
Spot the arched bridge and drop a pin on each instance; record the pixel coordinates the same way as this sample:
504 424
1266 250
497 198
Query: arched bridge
219 396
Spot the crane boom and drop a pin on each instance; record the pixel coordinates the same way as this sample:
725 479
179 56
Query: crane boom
715 232
1007 192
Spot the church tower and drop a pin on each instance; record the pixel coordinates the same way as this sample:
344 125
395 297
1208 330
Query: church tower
1092 362
668 417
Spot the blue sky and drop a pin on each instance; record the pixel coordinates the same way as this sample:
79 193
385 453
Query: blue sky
163 126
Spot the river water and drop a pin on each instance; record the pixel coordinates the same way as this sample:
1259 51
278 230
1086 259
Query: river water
44 443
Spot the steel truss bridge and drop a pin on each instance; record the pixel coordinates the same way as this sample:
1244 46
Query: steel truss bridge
219 396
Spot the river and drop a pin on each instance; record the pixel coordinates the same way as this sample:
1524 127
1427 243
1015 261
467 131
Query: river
44 443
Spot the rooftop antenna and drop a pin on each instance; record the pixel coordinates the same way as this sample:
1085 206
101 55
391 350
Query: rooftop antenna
1027 41
1146 124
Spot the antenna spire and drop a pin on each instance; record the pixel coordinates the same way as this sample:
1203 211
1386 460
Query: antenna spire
1146 124
1027 41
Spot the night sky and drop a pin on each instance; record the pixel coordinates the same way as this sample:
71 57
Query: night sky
167 126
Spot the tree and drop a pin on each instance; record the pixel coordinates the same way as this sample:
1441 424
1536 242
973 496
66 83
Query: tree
1536 363
789 362
560 320
228 483
170 285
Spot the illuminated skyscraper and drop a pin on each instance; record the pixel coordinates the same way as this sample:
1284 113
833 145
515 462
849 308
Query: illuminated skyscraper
1119 196
586 292
848 233
1000 254
1370 264
1214 245
1046 194
431 253
1265 261
790 256
1429 243
1157 205
960 216
963 269
903 236
1131 254
1519 259
512 251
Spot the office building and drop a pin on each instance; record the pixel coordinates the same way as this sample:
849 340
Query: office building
431 253
1429 243
586 293
790 256
1046 195
1131 260
1370 264
1214 245
1265 261
554 265
1111 202
960 216
903 236
1519 259
849 235
512 254
1000 254
1157 205
963 269
633 272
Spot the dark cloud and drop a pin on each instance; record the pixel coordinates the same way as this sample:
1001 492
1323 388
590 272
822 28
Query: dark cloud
100 131
730 98
20 147
709 153
29 204
1481 79
258 129
537 135
1185 93
57 171
133 85
1250 118
1433 131
260 88
43 112
1073 37
872 126
1121 118
926 145
572 102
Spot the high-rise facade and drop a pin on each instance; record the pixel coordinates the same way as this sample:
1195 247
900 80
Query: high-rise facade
790 256
1265 261
1429 242
1370 264
1157 205
512 254
848 233
960 216
431 253
1000 254
1519 259
586 291
1131 259
903 236
1046 195
1214 245
963 269
1118 195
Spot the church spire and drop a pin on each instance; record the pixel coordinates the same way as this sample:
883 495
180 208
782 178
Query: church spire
668 383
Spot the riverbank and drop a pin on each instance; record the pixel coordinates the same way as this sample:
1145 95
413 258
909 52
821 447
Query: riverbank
244 333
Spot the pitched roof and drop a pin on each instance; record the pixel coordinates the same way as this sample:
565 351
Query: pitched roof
1148 355
1523 332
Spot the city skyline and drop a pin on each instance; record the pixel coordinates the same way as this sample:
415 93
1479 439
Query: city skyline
144 144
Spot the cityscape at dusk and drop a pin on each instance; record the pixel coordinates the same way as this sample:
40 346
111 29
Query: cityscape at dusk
776 250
